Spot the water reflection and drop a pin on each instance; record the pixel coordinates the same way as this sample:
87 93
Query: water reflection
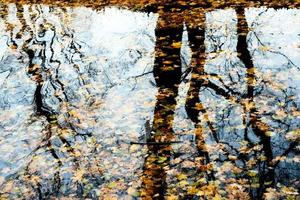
74 102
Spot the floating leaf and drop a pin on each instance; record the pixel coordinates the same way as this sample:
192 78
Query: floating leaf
176 45
133 192
181 177
162 159
112 185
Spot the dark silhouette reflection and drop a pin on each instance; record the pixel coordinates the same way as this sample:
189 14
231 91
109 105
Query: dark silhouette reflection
258 126
194 106
167 73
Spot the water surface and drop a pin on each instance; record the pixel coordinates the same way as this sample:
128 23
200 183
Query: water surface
111 103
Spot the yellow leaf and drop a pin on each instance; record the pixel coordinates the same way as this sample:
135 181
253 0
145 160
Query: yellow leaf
192 190
183 183
252 173
162 159
74 113
78 175
217 197
167 62
172 197
200 193
231 157
264 48
296 113
112 185
133 192
176 45
249 105
251 70
181 177
269 133
133 148
199 106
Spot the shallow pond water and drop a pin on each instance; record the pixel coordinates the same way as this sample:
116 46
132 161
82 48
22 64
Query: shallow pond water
118 104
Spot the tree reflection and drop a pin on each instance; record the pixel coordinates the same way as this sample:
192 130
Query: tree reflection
251 116
64 126
234 113
258 126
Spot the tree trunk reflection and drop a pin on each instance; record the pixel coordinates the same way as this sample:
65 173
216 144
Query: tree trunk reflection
167 74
